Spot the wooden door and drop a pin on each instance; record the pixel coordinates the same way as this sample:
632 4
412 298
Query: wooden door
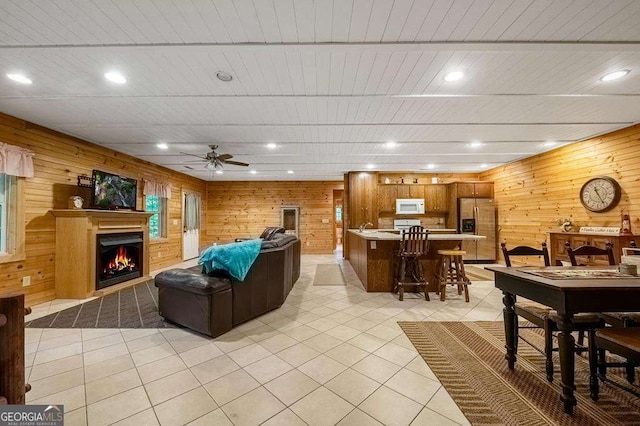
465 190
416 191
404 191
436 198
387 195
483 190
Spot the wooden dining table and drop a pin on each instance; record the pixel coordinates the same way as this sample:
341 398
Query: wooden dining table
587 291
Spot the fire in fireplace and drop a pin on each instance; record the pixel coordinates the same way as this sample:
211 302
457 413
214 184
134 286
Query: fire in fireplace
119 258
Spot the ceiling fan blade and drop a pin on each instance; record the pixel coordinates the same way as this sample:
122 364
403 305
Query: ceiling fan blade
236 163
202 160
223 157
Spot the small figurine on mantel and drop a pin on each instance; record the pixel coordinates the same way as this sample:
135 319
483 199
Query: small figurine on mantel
625 224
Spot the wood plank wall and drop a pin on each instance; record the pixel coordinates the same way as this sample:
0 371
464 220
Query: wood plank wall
58 160
244 209
533 193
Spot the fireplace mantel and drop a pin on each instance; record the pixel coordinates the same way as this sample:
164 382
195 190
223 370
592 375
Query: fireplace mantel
75 258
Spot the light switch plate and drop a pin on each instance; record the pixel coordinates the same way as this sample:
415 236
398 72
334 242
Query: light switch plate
373 245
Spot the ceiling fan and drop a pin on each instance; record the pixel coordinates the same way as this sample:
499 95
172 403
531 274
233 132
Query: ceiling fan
214 160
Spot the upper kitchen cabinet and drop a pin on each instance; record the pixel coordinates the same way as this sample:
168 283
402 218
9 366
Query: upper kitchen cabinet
404 191
387 195
363 199
416 191
435 198
474 189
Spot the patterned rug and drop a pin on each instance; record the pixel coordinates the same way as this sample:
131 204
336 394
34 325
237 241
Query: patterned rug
132 307
468 359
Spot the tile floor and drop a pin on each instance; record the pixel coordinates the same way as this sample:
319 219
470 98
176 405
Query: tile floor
330 355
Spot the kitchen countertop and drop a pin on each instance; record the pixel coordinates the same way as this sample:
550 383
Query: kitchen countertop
386 234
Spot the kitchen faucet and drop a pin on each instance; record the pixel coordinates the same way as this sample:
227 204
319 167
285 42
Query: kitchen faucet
362 227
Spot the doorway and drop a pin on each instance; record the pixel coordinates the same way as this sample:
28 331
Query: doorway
338 231
191 215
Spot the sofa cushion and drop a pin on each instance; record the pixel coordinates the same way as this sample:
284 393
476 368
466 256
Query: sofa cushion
192 281
278 240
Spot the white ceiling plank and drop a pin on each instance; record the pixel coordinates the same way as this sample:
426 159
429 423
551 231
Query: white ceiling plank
305 20
324 21
360 20
229 17
342 11
398 16
269 24
286 16
378 20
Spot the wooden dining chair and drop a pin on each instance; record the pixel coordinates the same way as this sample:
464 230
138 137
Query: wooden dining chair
535 313
414 244
624 342
588 250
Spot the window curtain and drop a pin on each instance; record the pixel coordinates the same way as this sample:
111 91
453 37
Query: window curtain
191 212
157 189
16 161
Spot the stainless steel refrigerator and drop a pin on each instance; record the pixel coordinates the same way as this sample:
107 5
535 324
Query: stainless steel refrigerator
477 216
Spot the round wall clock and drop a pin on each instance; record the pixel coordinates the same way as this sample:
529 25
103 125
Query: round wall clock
600 194
75 202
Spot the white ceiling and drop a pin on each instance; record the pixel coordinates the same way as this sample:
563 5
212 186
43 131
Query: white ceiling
330 82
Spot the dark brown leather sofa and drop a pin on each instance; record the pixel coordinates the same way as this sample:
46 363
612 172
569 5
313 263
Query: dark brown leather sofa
213 304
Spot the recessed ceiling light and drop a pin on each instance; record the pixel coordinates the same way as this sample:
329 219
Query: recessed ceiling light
550 143
162 146
484 165
454 76
475 144
391 144
272 145
19 78
115 77
370 166
253 172
431 166
290 172
224 76
614 75
219 172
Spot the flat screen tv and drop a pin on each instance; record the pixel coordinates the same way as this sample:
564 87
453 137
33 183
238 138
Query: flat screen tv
113 192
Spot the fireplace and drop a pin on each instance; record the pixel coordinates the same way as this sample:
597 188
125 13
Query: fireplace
119 258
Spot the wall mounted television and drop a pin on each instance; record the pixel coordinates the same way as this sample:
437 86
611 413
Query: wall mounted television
113 192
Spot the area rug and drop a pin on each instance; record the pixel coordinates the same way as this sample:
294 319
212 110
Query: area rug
132 307
328 274
478 273
468 359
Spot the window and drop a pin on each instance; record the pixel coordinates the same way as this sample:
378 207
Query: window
157 222
338 214
11 216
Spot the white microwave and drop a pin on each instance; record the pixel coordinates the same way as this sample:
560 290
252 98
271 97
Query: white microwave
409 206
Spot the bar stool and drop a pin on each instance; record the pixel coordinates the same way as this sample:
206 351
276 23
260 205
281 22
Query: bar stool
452 272
413 246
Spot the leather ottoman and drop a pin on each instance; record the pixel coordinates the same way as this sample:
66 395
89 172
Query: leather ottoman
196 301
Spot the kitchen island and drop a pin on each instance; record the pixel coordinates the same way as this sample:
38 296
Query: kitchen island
371 253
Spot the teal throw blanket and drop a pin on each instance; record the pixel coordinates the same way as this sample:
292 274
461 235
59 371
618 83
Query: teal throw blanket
235 258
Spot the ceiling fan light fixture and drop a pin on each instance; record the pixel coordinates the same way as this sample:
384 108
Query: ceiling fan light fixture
224 76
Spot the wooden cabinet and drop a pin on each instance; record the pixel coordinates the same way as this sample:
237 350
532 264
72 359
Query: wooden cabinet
387 195
435 198
363 199
404 191
416 191
558 250
474 189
